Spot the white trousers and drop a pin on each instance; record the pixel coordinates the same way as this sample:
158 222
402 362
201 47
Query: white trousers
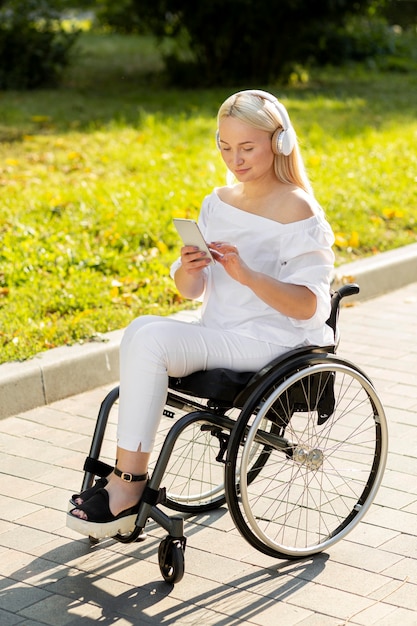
154 348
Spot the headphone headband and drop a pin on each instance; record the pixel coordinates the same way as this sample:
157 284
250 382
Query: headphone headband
283 141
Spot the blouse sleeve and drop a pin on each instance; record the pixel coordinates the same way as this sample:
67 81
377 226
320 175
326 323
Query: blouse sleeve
308 260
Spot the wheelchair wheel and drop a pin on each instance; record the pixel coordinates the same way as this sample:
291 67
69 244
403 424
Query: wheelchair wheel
326 445
194 476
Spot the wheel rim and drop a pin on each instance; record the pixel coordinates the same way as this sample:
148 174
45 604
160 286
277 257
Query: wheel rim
193 474
303 503
194 479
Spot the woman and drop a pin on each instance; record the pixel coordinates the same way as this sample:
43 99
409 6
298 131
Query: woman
267 292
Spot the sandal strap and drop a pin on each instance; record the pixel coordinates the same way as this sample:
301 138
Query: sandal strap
128 477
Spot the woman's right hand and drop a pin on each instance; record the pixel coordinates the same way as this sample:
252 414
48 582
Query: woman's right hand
193 260
190 278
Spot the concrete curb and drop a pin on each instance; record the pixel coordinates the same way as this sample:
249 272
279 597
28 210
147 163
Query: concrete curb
57 374
63 372
380 273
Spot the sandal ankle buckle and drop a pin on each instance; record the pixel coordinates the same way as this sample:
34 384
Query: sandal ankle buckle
128 477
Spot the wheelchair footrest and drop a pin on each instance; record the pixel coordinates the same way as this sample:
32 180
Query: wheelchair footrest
97 467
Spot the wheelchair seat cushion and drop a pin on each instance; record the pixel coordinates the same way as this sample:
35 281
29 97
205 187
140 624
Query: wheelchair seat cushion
220 384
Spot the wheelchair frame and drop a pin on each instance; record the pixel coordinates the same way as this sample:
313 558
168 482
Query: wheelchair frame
297 450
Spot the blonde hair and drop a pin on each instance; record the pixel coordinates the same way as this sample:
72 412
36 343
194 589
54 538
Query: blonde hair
262 114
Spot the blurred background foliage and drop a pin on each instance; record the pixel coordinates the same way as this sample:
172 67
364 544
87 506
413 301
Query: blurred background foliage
221 42
102 143
212 42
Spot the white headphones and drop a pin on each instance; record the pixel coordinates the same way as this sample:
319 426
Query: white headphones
283 139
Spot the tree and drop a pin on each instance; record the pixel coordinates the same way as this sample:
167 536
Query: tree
243 40
34 48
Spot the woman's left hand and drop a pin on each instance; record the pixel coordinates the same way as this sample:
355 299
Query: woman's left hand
295 301
228 256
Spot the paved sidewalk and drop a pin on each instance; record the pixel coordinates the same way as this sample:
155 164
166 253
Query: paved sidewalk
49 575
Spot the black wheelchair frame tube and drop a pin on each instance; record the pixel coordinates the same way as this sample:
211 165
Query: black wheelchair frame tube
100 429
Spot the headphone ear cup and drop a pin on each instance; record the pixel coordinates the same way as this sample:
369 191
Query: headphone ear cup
283 141
218 140
276 143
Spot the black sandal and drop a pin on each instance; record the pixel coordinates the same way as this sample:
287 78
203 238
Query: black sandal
100 520
87 494
95 466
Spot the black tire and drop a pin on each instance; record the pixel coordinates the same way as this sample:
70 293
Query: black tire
326 451
171 559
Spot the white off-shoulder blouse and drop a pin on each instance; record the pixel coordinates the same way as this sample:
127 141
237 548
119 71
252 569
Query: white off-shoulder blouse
299 253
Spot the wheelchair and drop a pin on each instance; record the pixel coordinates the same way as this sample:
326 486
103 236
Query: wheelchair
296 450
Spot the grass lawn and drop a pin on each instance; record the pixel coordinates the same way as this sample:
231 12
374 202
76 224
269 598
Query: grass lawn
92 173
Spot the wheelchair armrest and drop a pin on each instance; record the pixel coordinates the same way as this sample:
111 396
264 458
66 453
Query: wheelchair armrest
344 291
350 289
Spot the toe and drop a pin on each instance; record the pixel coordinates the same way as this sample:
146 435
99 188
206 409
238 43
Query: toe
80 514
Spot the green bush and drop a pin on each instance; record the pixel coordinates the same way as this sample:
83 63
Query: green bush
224 42
401 12
34 47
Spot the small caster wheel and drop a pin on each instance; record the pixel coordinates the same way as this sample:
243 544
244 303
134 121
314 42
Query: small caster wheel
171 559
93 540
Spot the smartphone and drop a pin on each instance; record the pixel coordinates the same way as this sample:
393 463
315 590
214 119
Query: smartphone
191 235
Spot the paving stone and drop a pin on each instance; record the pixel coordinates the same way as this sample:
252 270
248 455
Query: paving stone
399 616
376 613
364 558
9 619
23 567
398 593
13 509
330 601
15 596
61 611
